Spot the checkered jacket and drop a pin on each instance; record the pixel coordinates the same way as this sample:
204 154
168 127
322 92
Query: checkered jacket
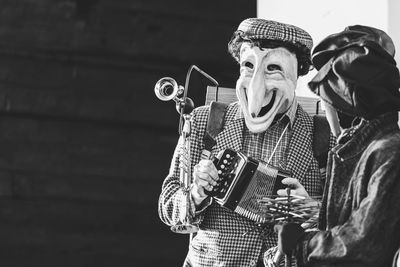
226 238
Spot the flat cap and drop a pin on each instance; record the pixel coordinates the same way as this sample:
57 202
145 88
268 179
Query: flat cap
256 28
356 35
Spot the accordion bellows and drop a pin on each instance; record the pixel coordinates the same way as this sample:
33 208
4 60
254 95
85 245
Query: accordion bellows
261 185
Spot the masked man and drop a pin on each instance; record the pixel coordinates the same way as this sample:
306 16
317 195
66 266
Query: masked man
266 124
360 215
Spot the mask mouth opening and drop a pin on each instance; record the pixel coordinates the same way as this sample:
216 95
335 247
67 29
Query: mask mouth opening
264 110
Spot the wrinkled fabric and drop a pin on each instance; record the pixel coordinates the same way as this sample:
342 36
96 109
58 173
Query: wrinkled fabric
360 214
356 35
357 73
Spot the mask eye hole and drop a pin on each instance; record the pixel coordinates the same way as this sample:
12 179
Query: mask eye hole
274 67
249 65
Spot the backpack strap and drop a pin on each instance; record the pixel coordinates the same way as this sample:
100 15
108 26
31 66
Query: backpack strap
216 120
321 138
215 124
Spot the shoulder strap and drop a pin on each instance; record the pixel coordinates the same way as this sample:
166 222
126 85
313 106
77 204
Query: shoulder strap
216 120
321 137
215 124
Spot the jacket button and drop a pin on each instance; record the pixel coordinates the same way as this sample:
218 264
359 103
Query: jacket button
253 263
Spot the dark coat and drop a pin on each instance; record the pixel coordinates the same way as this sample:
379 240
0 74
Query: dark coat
360 215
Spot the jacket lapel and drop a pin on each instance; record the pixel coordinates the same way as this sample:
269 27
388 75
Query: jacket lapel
300 146
231 136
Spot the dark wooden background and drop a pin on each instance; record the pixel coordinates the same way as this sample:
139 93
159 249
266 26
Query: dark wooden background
84 142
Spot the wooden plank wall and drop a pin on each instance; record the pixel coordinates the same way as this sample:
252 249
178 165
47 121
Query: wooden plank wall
84 143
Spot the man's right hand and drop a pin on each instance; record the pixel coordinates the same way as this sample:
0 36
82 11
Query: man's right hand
205 176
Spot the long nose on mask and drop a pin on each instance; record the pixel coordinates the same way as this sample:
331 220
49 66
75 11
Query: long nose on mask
256 92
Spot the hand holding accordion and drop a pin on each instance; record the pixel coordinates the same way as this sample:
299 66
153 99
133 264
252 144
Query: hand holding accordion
249 187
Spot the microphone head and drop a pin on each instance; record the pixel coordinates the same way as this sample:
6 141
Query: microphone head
185 106
166 89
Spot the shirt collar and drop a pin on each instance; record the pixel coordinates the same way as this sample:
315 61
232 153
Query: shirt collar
290 113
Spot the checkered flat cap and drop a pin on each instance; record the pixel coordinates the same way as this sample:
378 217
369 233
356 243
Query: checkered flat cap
255 28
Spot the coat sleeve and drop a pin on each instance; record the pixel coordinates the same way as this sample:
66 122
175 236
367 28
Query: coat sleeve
172 201
368 236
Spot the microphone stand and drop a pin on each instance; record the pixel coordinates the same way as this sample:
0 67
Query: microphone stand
185 107
187 101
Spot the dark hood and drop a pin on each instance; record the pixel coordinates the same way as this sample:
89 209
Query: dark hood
357 73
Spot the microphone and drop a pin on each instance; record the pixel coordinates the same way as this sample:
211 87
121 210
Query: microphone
187 99
168 89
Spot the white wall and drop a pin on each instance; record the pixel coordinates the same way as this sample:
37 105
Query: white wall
321 18
394 26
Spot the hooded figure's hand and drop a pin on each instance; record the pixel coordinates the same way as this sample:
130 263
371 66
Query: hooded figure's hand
289 234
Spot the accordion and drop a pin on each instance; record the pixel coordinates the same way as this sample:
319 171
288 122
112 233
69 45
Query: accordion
244 183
